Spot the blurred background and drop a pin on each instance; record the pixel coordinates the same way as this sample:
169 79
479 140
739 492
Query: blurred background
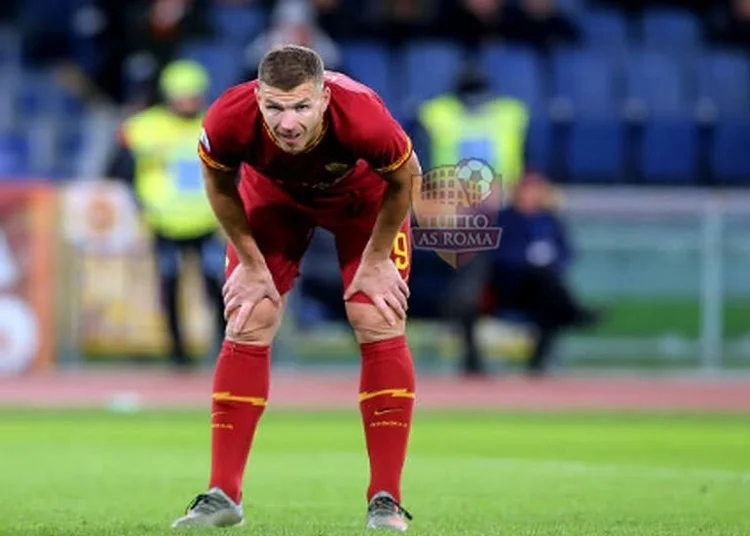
621 130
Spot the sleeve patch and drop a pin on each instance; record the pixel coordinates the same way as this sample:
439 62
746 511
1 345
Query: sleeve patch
210 162
204 140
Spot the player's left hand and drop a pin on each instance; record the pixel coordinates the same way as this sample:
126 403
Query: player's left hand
382 283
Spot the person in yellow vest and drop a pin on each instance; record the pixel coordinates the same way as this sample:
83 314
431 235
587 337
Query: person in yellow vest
156 155
471 122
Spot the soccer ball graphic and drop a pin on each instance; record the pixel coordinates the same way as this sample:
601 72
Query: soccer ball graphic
479 173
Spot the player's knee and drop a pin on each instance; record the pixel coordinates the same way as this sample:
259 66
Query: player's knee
369 325
260 326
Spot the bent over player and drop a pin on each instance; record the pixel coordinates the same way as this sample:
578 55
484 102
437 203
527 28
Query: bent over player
313 148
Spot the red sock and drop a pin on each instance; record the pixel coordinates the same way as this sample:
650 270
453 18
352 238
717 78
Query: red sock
386 401
240 394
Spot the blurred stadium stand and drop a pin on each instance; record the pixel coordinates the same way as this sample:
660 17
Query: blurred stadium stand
648 92
644 99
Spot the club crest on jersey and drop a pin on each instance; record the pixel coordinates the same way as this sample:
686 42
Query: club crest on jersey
337 167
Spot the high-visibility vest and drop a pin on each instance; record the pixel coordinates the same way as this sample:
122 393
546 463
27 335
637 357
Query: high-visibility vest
168 181
495 133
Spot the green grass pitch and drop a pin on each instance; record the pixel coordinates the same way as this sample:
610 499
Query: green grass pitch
92 472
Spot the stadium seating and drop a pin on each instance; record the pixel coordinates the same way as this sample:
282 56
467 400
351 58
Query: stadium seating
597 96
14 155
605 31
668 152
370 63
730 152
10 49
596 150
642 99
69 145
10 69
540 145
41 95
238 24
570 6
515 72
428 68
670 30
224 62
722 81
655 86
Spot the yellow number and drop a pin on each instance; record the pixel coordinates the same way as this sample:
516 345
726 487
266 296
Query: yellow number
401 251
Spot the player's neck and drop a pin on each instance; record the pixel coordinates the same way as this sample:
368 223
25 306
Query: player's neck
317 135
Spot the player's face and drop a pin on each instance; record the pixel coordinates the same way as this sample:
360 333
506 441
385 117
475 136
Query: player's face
294 117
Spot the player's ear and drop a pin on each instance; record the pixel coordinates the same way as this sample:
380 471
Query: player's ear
258 96
326 97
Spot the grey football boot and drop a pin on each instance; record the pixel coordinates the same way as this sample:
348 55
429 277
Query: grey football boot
384 512
211 509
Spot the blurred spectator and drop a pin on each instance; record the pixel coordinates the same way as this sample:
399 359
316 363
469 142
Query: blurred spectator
540 24
636 7
525 275
401 20
293 22
238 2
157 29
165 23
101 47
473 122
731 26
476 21
107 50
341 19
46 31
9 9
156 156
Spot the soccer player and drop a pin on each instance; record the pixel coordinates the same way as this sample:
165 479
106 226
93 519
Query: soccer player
313 148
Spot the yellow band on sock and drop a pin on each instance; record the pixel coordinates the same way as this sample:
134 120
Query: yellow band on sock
226 396
396 393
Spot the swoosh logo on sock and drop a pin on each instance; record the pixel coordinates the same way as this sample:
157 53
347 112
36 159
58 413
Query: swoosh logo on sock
379 412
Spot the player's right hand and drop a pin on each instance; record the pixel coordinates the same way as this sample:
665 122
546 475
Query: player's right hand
243 290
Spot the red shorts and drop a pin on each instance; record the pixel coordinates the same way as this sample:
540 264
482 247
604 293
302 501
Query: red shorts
283 227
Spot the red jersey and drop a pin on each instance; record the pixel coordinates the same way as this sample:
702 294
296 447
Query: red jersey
359 136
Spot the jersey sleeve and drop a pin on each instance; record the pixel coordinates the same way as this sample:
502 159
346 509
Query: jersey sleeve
218 146
382 142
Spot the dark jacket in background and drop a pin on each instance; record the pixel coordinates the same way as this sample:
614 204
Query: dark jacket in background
520 233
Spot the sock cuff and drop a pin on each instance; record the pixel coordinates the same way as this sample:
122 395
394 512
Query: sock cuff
236 349
384 346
